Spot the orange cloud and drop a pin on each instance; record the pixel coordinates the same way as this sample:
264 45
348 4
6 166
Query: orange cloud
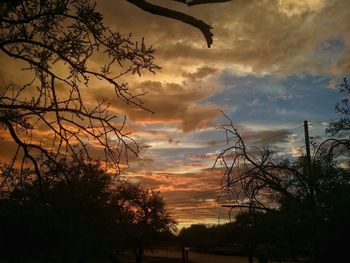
189 196
171 103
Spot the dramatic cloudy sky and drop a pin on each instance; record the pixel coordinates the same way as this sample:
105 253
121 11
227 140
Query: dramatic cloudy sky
273 64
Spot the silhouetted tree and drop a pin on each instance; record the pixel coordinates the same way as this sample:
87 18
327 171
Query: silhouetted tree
86 213
343 108
249 231
309 197
55 42
197 235
74 221
142 215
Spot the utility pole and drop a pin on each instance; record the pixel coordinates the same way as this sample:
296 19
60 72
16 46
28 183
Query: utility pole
307 144
308 167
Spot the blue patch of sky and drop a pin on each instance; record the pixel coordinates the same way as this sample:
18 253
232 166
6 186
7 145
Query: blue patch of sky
273 100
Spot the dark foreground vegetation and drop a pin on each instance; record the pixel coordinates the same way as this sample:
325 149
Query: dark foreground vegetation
75 213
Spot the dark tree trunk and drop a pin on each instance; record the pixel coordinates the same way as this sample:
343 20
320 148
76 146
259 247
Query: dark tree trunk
139 255
250 258
183 254
250 255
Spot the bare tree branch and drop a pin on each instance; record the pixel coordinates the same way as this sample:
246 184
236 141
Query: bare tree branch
253 178
173 14
56 40
201 2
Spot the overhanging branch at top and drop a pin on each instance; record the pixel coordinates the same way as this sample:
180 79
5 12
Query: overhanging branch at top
176 15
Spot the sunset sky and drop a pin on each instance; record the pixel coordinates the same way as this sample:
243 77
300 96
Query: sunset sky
273 64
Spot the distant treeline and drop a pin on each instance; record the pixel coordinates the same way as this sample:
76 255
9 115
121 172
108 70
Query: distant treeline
286 234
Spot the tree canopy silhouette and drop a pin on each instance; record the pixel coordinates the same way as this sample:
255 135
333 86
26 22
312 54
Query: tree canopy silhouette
87 213
56 42
142 216
342 107
308 199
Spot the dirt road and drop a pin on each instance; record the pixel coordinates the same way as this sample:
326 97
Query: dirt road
197 257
